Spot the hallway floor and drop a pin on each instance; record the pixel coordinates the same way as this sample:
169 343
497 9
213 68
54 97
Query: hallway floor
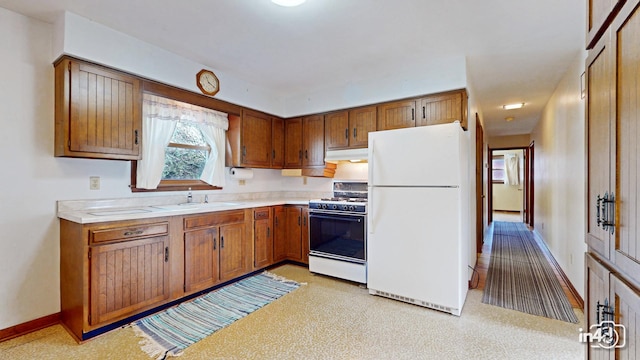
483 260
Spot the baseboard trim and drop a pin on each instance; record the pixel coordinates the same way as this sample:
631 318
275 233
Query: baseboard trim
564 277
29 326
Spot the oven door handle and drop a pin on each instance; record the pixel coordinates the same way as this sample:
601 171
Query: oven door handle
329 217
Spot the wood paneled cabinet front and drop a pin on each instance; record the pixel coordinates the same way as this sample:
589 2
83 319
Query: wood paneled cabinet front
262 237
112 270
432 109
215 249
291 232
349 129
609 298
304 142
98 111
256 140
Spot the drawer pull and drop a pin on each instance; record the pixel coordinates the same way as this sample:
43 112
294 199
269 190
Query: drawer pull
136 232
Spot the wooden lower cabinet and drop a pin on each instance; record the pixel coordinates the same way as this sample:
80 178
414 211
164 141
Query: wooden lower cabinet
262 238
110 271
215 249
291 240
606 287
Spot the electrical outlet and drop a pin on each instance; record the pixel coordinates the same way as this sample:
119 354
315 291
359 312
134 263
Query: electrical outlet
242 182
94 182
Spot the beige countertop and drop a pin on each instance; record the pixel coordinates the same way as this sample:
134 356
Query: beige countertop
100 214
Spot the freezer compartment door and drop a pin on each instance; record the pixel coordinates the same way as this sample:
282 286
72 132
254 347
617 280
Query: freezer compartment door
414 245
420 156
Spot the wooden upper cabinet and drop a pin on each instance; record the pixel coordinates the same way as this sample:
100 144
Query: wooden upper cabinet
313 141
397 115
349 129
256 139
600 13
362 121
625 213
98 112
277 143
442 109
293 143
599 77
336 127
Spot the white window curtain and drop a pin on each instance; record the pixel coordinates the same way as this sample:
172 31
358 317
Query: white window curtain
511 166
160 116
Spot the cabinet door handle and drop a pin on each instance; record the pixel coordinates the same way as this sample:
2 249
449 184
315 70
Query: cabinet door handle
273 154
136 232
135 134
355 132
244 151
298 220
215 240
268 231
413 114
306 154
304 220
346 133
598 202
300 154
166 254
221 242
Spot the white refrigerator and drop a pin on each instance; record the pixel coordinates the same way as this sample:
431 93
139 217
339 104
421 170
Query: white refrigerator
418 219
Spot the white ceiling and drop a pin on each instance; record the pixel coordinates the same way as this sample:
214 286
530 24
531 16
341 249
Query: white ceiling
516 51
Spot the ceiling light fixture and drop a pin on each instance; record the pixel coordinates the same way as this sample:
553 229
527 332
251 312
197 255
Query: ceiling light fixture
288 3
513 106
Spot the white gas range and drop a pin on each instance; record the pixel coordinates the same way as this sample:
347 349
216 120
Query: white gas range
338 232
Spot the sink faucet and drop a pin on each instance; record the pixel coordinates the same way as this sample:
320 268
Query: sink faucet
189 196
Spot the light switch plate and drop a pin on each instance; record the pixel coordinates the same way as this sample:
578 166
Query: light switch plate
94 182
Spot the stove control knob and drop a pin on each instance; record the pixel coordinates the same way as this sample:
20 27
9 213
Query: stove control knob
334 207
351 208
324 206
345 207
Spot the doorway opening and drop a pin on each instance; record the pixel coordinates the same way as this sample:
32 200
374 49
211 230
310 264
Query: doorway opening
511 185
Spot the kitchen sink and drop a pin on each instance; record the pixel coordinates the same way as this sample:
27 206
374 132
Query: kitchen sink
186 206
118 212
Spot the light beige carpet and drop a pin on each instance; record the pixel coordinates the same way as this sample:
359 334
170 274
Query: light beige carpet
331 319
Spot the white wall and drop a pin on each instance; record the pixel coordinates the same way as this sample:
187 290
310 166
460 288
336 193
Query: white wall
559 170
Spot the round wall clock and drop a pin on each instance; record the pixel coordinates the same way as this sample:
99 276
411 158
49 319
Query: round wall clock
207 82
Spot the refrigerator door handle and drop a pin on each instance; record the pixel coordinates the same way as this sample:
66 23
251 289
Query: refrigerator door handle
371 217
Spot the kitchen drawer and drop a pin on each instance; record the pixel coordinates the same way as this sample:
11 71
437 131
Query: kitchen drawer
213 219
127 232
261 213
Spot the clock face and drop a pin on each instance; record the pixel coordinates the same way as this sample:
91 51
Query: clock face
208 82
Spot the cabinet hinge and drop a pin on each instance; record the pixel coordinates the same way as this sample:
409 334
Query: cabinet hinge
89 254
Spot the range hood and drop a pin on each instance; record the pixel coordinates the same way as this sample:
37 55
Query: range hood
353 155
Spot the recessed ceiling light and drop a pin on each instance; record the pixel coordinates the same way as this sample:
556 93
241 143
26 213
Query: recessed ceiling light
513 106
509 118
288 3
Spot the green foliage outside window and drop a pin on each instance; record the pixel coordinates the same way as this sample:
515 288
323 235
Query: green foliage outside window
186 154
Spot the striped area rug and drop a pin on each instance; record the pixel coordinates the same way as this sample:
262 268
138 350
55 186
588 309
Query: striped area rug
169 332
520 277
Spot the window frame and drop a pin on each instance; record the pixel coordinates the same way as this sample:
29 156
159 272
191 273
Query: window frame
170 92
493 169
